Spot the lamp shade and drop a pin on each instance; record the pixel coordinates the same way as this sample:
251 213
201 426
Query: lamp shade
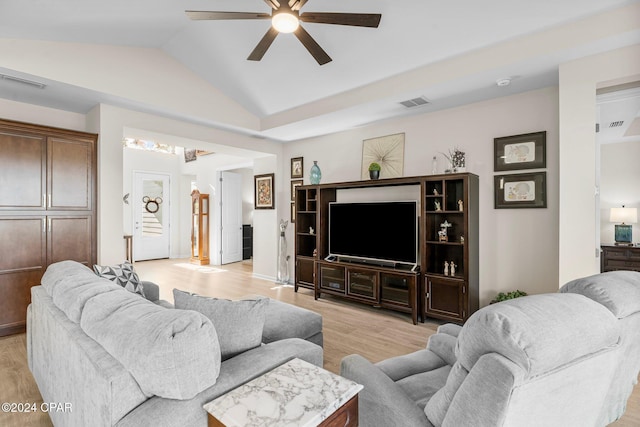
624 215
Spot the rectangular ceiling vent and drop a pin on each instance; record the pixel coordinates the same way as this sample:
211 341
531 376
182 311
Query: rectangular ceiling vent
415 102
23 81
616 124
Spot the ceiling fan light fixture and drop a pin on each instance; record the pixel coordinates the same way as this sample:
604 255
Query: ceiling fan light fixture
285 22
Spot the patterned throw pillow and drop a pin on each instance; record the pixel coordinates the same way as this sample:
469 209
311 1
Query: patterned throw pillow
123 274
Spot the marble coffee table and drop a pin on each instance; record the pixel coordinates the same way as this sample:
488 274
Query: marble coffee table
296 393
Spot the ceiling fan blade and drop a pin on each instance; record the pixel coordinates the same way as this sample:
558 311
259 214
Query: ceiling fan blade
273 4
263 45
312 46
355 19
296 4
210 15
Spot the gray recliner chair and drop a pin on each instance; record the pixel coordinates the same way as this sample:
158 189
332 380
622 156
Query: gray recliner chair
542 360
618 291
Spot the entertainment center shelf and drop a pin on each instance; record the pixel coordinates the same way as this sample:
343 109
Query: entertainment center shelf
444 284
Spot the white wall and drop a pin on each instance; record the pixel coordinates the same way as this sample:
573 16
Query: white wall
265 223
518 247
579 228
149 161
619 178
19 111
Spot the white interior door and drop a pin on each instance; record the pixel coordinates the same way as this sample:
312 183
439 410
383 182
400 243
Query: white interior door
151 237
231 217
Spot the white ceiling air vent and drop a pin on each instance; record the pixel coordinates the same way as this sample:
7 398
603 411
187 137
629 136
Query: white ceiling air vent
415 102
616 124
23 81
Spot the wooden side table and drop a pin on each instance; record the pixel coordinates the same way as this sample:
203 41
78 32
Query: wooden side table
620 258
296 393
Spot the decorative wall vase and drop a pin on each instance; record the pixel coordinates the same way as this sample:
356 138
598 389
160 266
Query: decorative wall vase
374 174
283 258
316 173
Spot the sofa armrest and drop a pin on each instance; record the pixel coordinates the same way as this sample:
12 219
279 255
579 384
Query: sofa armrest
444 346
151 290
382 402
450 329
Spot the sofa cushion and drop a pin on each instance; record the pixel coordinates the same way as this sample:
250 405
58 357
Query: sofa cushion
529 330
288 321
619 291
239 324
123 274
71 284
171 353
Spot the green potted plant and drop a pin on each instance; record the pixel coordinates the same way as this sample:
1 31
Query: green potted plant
374 170
509 295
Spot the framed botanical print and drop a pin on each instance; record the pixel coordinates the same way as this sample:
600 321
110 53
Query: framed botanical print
264 195
523 190
526 151
297 167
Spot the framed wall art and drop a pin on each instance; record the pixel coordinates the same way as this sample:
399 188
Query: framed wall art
526 151
523 190
295 183
297 167
264 196
388 152
293 212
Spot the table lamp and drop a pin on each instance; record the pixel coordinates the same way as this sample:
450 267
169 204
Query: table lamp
623 232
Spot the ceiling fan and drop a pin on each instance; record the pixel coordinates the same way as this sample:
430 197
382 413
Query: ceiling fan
285 18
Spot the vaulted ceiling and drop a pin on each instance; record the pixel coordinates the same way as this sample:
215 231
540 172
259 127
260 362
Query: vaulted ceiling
449 52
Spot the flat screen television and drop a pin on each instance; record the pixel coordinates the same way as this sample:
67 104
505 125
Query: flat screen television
374 232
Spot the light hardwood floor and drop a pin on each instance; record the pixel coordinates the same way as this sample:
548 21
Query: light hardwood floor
376 334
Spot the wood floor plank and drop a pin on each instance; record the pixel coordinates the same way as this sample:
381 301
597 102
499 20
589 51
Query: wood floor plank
349 327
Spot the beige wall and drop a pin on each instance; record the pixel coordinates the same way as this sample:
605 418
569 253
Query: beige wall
518 247
619 184
579 227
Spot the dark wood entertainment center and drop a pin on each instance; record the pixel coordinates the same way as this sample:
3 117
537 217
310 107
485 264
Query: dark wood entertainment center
448 198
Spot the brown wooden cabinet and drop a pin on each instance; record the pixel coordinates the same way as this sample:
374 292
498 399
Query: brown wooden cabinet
451 197
620 258
451 202
199 228
47 209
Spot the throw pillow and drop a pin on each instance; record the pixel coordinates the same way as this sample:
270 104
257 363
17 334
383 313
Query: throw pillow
239 324
122 274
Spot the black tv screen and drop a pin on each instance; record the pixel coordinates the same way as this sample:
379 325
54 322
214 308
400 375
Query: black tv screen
377 231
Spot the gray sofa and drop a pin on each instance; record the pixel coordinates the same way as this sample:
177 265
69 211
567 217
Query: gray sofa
122 360
565 359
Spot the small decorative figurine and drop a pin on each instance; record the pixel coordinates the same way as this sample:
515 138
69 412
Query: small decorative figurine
460 205
453 268
315 252
462 239
446 268
437 205
311 230
435 192
442 234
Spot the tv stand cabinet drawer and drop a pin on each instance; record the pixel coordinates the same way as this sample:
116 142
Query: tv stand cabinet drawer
362 284
332 278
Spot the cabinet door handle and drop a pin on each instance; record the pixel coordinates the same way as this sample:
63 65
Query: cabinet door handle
44 201
49 197
49 224
44 226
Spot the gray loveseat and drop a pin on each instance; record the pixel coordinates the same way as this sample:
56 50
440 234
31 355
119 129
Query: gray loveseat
121 360
566 359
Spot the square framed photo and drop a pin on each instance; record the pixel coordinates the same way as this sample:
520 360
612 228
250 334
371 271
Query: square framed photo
295 183
297 167
526 151
264 195
523 190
